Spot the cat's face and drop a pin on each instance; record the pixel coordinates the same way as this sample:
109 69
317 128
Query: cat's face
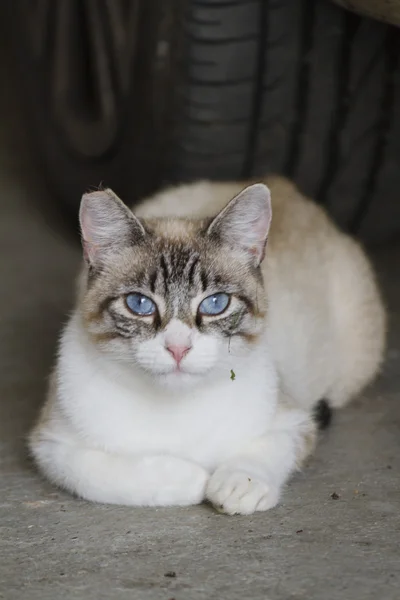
176 298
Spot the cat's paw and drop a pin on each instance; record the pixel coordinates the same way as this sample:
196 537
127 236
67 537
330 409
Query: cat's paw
235 492
178 482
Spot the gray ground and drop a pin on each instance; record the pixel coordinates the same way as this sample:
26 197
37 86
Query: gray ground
53 546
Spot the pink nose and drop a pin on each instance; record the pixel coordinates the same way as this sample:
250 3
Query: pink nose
178 352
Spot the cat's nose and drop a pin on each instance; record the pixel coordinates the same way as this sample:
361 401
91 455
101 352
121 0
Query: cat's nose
178 351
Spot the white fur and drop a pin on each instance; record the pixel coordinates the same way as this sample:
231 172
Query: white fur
115 436
148 435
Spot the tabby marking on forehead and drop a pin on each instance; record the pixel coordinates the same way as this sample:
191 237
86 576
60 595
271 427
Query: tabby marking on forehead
174 272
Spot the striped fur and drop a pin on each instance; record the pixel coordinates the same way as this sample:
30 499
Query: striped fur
177 266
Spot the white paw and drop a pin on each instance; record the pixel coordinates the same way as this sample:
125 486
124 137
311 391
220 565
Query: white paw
178 482
238 493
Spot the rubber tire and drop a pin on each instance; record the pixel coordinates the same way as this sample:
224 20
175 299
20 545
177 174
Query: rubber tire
302 88
250 87
129 163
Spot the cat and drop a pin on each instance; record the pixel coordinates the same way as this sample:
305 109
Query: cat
200 345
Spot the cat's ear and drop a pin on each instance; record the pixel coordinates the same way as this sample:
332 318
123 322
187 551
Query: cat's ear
245 221
107 226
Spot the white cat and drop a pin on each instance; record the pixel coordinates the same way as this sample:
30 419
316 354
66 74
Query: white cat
190 367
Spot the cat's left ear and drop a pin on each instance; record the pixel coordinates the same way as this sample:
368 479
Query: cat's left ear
245 221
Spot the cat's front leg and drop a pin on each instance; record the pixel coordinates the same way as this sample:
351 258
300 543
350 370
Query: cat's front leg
253 480
120 479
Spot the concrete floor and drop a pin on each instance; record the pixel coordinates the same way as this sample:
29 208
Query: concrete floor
53 546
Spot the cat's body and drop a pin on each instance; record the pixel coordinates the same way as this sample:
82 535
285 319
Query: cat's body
235 421
325 319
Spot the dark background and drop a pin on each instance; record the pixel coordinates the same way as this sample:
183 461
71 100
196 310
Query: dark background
137 95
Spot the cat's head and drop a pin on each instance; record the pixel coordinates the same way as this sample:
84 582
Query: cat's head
181 299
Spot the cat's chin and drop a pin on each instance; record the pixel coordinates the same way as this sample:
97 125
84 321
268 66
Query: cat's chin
178 380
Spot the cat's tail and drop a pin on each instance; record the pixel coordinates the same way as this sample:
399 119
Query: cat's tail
322 414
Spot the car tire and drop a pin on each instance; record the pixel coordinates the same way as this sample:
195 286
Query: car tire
148 94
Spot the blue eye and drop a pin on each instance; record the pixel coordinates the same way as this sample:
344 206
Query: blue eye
140 305
215 304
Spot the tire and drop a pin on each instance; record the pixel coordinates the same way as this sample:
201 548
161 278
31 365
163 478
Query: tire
232 89
315 97
87 70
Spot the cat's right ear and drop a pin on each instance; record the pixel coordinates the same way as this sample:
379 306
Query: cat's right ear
107 226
